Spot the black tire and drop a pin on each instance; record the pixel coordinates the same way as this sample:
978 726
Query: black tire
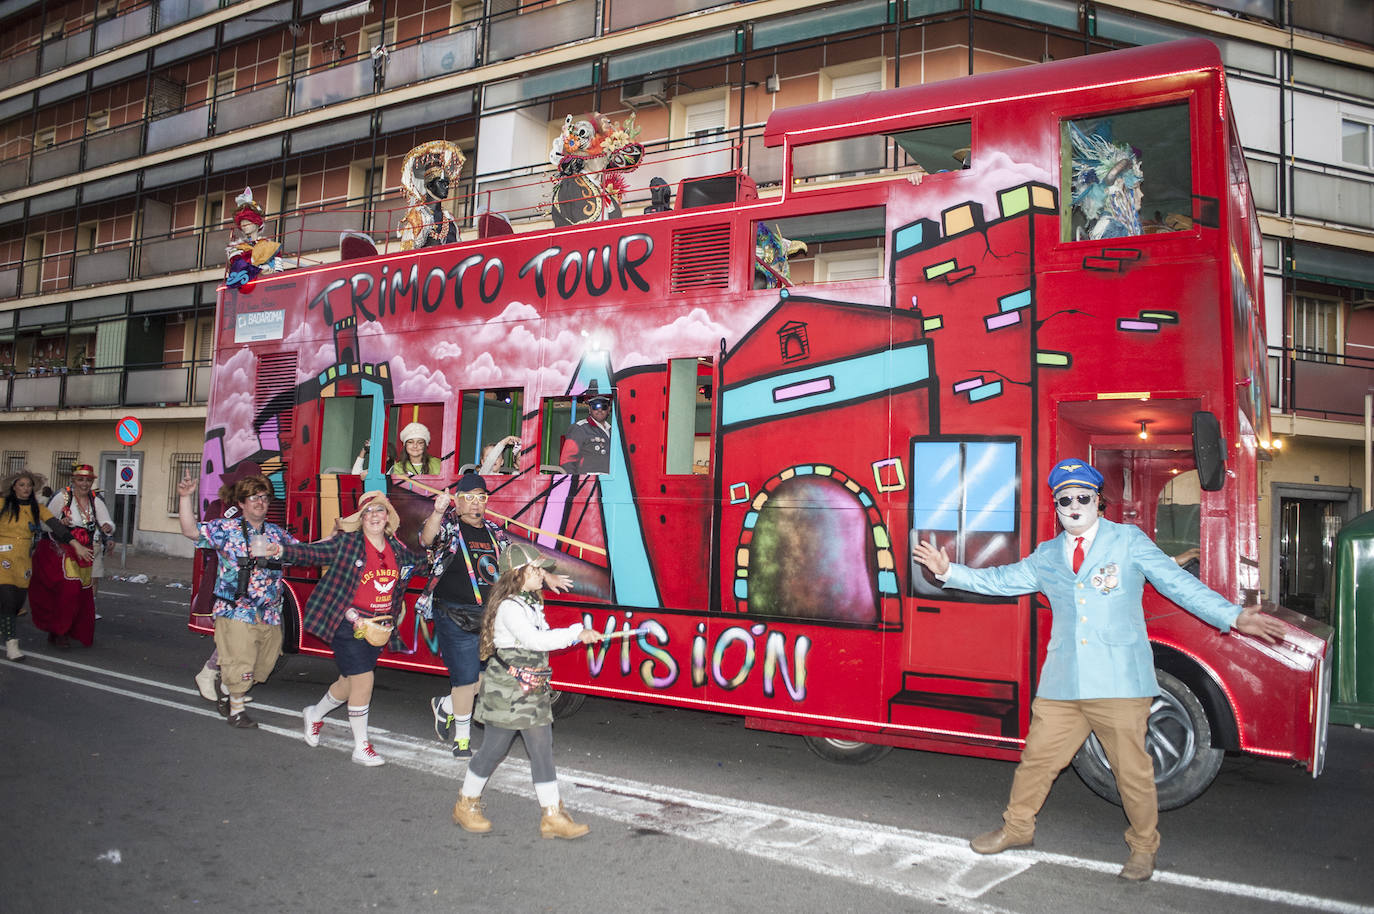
566 704
1178 739
845 751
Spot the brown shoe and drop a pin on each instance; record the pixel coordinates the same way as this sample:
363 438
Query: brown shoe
467 812
994 842
558 824
1139 867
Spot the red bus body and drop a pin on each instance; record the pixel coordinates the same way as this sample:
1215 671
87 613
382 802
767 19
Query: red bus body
844 416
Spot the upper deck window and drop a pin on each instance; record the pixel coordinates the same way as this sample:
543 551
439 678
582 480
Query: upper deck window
1126 174
913 153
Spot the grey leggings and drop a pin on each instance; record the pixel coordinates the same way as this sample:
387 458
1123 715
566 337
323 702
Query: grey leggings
496 742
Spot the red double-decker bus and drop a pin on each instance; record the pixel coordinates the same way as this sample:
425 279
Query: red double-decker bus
987 275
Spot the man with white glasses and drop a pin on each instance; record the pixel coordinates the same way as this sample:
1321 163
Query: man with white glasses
464 546
1099 672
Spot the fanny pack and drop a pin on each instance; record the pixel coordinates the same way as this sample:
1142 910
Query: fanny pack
531 679
468 618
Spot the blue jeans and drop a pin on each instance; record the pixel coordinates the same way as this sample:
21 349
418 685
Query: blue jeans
458 648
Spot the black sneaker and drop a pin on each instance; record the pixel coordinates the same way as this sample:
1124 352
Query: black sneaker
462 748
443 722
222 706
242 721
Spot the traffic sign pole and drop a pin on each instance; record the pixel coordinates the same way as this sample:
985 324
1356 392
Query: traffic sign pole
127 432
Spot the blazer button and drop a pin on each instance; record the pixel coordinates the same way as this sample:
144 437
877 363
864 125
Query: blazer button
1080 585
1081 601
1084 619
1085 641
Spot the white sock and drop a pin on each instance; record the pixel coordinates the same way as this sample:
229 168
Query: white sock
472 784
446 705
325 705
462 728
547 793
357 719
235 704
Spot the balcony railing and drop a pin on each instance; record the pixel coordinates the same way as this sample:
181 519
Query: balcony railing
1319 385
174 384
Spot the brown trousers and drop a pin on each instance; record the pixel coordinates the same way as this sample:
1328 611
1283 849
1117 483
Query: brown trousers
1057 730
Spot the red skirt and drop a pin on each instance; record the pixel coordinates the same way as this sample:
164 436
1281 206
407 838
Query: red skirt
60 593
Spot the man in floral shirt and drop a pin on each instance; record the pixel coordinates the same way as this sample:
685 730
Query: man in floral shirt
248 586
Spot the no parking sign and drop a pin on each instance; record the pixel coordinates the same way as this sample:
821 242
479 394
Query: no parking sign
126 476
128 431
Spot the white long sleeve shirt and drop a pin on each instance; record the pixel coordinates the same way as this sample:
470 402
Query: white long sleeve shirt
521 625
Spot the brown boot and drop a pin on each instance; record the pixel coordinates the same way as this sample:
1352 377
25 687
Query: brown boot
1139 867
467 812
558 824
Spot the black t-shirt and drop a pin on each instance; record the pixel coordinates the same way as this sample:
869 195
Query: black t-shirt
454 584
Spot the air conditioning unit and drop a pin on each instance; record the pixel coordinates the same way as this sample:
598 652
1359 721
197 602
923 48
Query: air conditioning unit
638 93
1363 300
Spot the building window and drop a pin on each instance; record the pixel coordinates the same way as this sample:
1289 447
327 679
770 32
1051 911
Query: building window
165 96
1357 143
289 65
701 117
15 461
221 84
1316 328
62 463
44 138
213 208
97 121
187 464
86 235
852 79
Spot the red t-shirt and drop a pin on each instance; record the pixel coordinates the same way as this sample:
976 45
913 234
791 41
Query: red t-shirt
378 582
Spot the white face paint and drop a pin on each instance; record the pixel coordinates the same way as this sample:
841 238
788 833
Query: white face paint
1076 517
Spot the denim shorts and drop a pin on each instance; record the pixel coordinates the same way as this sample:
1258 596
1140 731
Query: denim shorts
458 648
353 655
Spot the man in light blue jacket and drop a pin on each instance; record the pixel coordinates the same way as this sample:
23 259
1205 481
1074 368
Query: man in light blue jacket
1099 672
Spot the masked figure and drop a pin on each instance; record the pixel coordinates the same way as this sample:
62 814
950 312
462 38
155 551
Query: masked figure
427 175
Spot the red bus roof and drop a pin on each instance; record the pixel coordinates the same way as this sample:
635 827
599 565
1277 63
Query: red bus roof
893 109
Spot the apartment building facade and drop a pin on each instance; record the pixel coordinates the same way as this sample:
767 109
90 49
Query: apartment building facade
128 127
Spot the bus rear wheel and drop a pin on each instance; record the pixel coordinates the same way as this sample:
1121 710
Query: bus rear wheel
1179 741
845 751
566 704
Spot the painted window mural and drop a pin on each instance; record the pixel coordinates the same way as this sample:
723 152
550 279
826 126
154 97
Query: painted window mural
1127 174
966 503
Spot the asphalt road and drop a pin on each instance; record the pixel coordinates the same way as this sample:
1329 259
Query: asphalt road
122 791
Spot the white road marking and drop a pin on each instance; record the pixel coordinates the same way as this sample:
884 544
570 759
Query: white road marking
904 862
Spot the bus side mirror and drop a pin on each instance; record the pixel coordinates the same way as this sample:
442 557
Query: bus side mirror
1209 451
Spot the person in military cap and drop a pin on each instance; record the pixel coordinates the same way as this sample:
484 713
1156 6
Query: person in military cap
1099 671
587 446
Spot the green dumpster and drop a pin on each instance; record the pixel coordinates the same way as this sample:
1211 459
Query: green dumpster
1352 680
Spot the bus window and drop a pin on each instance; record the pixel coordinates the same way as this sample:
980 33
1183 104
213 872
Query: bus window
575 433
346 428
489 417
411 420
824 247
964 499
1178 520
1126 174
687 442
915 153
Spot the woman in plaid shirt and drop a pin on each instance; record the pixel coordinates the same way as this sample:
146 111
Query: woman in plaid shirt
367 575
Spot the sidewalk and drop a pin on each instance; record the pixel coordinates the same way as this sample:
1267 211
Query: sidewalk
156 566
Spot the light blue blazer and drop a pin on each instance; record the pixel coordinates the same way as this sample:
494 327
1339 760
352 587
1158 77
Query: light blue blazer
1098 647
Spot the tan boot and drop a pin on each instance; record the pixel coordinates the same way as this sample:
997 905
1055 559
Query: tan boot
1139 867
12 651
558 824
467 812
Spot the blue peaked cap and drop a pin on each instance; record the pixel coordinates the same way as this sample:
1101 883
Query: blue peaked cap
1074 472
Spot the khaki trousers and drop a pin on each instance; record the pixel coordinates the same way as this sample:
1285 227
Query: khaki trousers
1057 730
248 652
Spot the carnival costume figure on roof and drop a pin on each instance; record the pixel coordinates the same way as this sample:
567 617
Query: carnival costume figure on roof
592 158
249 253
771 251
427 174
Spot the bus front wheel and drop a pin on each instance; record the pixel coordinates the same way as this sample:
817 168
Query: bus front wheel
845 751
1179 741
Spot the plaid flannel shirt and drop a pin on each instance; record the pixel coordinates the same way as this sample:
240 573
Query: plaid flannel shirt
346 557
447 544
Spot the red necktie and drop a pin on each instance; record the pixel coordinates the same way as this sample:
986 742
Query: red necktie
1077 553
